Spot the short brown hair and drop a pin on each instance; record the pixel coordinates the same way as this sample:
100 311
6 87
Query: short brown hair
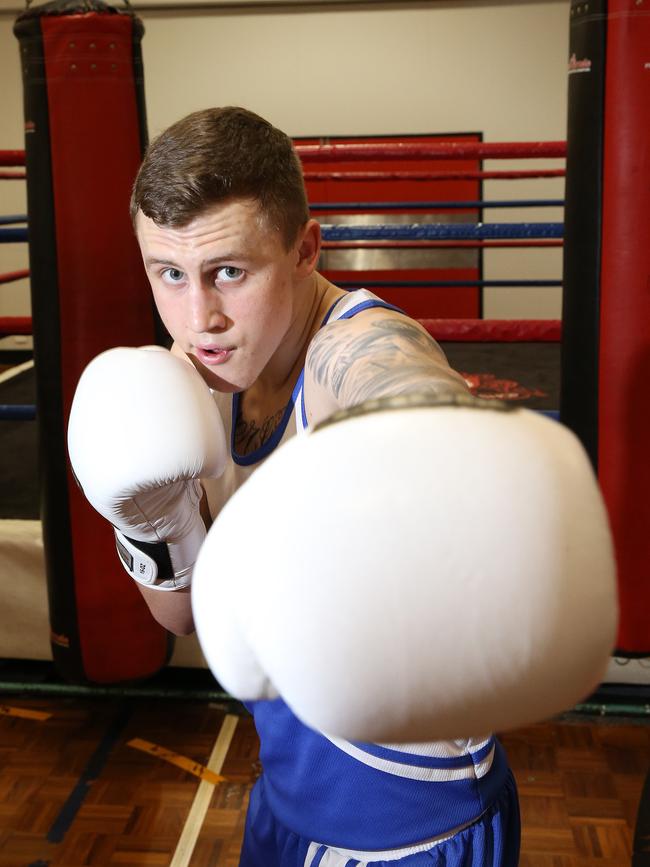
218 154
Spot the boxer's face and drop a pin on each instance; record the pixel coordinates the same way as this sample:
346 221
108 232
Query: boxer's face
224 287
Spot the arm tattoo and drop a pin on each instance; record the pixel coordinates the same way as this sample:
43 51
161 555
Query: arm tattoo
389 356
250 436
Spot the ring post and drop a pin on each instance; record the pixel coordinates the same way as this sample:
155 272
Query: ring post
606 308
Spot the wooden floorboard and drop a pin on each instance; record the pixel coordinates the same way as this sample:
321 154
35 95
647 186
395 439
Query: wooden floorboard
579 784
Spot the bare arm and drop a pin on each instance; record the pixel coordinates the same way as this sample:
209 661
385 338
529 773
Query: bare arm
377 354
171 609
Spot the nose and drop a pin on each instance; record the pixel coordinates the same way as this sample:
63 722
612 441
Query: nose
205 313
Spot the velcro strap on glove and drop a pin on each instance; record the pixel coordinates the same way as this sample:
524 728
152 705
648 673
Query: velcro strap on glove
149 564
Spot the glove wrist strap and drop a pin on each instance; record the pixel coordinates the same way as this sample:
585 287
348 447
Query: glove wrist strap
149 563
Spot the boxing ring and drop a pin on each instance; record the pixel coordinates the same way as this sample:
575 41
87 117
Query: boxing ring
402 217
515 360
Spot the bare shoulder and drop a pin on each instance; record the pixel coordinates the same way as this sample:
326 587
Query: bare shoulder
376 353
366 337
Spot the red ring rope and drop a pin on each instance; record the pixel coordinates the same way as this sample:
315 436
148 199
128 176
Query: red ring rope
15 325
457 330
432 176
12 276
12 158
494 330
388 150
433 150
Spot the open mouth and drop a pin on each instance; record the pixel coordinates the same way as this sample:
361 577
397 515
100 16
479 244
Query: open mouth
214 355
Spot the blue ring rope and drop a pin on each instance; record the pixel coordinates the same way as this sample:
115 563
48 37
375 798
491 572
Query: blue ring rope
437 231
17 412
9 220
13 236
399 232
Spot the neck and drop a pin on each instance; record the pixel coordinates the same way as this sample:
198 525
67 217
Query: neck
313 299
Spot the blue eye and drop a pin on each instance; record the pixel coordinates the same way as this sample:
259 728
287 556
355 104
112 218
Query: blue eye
173 275
228 274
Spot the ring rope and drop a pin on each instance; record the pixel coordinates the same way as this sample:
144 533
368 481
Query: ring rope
440 284
470 330
426 245
407 150
432 231
17 412
450 205
13 236
15 324
11 219
539 329
434 176
11 277
12 158
432 150
494 330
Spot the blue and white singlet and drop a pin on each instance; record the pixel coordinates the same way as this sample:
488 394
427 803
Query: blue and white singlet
358 796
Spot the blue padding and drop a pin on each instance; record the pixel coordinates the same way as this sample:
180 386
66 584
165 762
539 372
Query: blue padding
12 236
433 284
10 220
17 412
551 413
444 206
441 231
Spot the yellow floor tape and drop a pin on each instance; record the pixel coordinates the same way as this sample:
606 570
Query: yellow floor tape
5 710
179 761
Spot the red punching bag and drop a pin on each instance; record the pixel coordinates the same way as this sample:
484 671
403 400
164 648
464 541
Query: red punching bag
606 315
85 132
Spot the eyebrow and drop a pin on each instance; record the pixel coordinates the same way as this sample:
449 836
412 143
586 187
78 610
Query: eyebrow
153 261
215 260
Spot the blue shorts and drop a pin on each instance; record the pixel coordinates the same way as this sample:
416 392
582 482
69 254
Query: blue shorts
490 841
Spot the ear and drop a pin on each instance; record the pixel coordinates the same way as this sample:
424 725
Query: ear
308 247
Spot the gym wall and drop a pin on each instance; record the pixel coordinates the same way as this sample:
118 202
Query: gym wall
356 69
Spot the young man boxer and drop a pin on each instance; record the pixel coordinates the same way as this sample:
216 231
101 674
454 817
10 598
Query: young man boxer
222 220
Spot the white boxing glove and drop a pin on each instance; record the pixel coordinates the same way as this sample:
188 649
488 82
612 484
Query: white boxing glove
143 429
413 573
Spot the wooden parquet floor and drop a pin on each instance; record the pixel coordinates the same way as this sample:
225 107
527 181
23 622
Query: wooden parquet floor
73 792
